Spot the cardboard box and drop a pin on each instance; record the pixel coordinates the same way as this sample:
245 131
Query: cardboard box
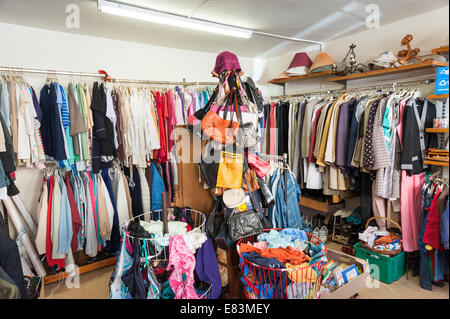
355 285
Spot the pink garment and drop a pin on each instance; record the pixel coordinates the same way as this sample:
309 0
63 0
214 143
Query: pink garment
410 201
260 245
191 107
94 210
272 130
171 104
183 261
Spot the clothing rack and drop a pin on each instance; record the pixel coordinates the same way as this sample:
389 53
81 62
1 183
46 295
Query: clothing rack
394 85
99 75
285 167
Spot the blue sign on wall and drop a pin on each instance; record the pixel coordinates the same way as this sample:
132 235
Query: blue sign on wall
442 81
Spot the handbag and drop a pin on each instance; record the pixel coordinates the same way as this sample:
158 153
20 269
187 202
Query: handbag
217 128
214 221
209 163
248 132
210 160
252 179
231 168
244 224
267 198
261 167
247 135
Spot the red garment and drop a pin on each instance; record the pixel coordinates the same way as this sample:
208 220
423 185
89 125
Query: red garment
48 240
432 235
76 220
313 138
162 152
166 121
171 118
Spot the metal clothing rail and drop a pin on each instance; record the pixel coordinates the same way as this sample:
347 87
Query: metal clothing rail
358 89
98 75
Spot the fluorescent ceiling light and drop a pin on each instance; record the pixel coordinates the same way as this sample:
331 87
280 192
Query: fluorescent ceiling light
171 19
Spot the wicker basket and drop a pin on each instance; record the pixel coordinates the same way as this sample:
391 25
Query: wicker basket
387 253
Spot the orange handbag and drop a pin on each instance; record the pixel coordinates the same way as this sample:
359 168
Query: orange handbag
218 129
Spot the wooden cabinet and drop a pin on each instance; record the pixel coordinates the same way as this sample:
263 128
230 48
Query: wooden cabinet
190 191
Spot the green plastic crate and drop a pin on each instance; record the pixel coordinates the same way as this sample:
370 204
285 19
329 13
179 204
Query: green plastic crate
389 268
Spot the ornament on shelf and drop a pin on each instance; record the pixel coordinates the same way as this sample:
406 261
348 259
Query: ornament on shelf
408 54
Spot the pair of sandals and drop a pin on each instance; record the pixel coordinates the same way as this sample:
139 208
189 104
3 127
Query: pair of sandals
321 233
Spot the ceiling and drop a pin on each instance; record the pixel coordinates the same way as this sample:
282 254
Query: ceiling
319 20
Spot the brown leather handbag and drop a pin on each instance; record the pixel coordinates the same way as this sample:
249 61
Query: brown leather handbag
219 129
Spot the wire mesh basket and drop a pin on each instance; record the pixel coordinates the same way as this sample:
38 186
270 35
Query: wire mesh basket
159 247
271 283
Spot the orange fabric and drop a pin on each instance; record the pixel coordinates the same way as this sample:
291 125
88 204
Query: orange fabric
247 248
386 239
294 257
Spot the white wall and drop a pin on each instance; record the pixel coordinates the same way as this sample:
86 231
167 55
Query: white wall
430 30
28 47
45 49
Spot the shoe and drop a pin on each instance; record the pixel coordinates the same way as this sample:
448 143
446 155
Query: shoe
308 226
323 234
315 232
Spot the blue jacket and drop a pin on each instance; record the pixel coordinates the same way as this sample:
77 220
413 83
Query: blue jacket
157 188
287 216
65 222
114 244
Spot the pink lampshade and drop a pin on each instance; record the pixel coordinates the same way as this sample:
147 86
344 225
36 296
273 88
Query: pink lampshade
300 63
300 59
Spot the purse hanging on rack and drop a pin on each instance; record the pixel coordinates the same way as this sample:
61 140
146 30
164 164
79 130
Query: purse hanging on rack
267 198
244 224
231 168
248 129
260 166
217 128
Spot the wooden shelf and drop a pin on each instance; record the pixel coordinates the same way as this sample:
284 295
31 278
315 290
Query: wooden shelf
436 130
412 67
435 163
82 269
307 76
314 204
325 207
437 97
440 50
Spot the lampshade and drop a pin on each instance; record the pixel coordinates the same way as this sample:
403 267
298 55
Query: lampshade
322 62
281 76
299 64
